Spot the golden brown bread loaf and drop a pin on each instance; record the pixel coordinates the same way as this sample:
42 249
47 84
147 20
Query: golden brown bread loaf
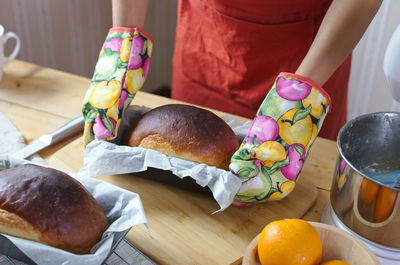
186 132
51 207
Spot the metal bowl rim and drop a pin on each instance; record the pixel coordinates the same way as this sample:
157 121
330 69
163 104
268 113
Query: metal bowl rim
341 151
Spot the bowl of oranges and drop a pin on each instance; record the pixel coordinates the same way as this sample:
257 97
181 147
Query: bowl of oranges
296 241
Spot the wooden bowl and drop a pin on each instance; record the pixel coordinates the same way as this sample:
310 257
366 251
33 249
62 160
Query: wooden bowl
336 244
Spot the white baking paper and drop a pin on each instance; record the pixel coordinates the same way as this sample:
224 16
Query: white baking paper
105 158
122 208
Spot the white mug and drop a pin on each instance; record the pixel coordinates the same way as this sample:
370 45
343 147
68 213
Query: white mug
4 36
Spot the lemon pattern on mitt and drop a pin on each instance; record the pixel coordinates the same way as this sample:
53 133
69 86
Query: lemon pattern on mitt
120 72
278 141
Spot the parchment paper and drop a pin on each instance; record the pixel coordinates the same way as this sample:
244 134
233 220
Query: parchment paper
106 158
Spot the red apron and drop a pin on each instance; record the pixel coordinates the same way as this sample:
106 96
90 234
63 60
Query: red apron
228 53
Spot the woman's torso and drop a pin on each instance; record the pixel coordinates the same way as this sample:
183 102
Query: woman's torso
228 53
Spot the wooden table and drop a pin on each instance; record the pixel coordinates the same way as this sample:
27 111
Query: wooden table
39 100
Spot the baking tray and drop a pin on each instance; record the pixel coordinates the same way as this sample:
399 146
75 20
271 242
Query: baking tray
123 253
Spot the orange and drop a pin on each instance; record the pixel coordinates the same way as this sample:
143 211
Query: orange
335 262
289 242
341 181
369 189
384 204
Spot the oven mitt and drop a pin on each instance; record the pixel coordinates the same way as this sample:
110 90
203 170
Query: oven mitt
277 144
120 72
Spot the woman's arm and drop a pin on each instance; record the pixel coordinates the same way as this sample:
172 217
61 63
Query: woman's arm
129 13
342 27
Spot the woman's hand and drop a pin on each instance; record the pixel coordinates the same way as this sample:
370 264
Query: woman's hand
129 13
342 27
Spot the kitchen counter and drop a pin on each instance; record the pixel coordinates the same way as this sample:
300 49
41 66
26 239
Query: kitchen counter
183 229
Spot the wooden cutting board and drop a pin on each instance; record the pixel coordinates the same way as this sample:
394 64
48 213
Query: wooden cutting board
183 229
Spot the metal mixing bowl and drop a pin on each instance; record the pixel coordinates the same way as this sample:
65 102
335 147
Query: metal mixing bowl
365 187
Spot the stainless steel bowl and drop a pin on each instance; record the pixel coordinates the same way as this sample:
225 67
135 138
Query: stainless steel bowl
365 187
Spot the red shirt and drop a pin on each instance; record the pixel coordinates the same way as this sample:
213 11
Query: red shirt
228 53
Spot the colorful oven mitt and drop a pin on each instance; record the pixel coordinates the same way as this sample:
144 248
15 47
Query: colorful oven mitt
120 72
277 144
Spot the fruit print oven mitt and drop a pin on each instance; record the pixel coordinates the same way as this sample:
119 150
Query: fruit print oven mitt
120 72
277 144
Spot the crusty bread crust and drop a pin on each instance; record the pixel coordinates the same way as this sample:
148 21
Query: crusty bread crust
12 224
186 132
48 206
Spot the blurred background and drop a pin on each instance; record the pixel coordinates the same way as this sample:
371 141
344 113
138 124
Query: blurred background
68 34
